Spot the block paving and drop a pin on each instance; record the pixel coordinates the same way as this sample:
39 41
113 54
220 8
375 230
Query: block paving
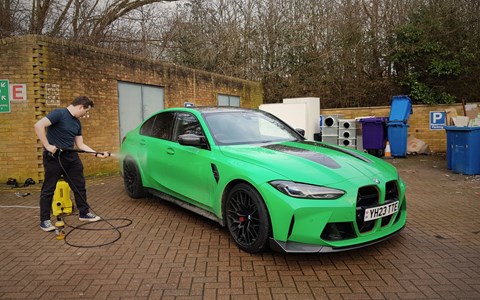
170 253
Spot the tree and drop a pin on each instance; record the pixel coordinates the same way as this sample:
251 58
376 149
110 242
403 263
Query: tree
6 18
91 22
347 52
431 58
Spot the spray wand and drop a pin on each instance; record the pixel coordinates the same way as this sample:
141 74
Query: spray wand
81 151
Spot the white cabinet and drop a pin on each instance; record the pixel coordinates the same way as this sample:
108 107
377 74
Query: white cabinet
303 113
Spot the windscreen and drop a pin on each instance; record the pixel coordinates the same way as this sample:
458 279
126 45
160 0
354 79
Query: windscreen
248 127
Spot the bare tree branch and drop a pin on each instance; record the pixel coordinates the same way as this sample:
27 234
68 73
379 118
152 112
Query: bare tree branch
117 10
61 19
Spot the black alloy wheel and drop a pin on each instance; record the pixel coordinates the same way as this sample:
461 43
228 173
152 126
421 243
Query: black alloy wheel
247 217
132 180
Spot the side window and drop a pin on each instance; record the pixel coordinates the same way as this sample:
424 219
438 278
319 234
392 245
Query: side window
147 127
162 128
158 126
186 123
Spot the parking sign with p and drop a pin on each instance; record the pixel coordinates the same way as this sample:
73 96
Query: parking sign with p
437 120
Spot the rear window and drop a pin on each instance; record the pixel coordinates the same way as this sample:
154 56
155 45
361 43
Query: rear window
158 126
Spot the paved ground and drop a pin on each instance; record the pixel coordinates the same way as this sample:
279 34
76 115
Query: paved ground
168 252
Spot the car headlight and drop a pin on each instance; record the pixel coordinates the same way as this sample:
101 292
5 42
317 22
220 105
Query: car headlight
307 191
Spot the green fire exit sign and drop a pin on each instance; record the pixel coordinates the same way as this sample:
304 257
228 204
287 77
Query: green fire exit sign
4 97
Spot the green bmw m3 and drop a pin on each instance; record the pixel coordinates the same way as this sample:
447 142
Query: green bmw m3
258 177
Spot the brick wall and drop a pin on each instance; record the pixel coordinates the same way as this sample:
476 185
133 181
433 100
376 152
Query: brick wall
18 154
82 70
419 121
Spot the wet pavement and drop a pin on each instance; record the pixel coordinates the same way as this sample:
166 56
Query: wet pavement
170 253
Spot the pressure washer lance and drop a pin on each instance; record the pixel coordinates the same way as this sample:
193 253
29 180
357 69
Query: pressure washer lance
81 151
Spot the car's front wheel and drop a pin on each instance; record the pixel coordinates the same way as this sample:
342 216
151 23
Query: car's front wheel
247 217
132 179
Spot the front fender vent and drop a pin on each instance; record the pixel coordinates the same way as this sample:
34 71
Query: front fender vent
216 175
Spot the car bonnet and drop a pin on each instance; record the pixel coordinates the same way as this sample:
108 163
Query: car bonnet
311 162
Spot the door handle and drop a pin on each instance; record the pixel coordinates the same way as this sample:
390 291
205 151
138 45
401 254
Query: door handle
142 142
170 151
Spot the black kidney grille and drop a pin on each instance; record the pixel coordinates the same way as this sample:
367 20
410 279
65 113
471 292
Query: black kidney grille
391 194
367 196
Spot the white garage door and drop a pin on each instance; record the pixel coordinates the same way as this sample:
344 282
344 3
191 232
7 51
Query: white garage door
135 103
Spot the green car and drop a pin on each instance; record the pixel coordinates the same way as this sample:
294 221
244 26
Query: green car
271 188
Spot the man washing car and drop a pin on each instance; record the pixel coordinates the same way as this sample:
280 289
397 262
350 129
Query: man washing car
61 128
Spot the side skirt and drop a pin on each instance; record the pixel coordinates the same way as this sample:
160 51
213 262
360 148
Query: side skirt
188 206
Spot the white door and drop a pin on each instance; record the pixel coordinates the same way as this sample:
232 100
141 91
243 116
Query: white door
135 103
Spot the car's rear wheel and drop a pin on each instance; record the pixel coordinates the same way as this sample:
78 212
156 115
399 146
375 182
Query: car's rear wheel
247 217
132 180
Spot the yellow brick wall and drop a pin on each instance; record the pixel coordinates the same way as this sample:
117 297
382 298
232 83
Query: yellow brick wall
419 121
82 70
18 151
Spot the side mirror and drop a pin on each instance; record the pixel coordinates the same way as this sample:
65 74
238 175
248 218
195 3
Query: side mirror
191 140
301 131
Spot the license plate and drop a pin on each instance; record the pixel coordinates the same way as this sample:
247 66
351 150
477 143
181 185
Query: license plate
378 212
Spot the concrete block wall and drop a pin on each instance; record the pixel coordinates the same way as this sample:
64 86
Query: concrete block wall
78 70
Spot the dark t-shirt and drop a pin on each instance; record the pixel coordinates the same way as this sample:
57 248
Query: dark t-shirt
64 128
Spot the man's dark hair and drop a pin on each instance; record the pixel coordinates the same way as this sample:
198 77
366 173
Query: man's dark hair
82 100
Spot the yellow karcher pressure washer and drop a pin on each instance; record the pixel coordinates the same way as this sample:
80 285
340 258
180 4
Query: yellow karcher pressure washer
62 205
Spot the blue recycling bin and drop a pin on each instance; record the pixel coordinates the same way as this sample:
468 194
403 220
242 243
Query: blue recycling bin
397 137
401 109
463 149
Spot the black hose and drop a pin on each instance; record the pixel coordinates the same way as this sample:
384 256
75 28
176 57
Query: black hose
81 227
116 228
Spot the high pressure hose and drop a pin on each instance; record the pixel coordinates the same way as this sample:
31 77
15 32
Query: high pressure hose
81 227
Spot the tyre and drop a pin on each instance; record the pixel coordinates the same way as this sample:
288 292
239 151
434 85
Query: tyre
132 180
380 153
375 152
247 217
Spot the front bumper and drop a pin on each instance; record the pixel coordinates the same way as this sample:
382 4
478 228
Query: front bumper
301 225
294 247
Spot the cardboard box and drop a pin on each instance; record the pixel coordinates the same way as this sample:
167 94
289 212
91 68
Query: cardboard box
471 110
474 122
451 113
460 121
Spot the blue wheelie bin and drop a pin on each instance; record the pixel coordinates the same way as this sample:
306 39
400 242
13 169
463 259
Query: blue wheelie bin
401 109
463 149
397 132
397 137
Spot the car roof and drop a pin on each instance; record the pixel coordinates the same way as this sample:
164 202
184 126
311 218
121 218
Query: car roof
212 109
208 109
